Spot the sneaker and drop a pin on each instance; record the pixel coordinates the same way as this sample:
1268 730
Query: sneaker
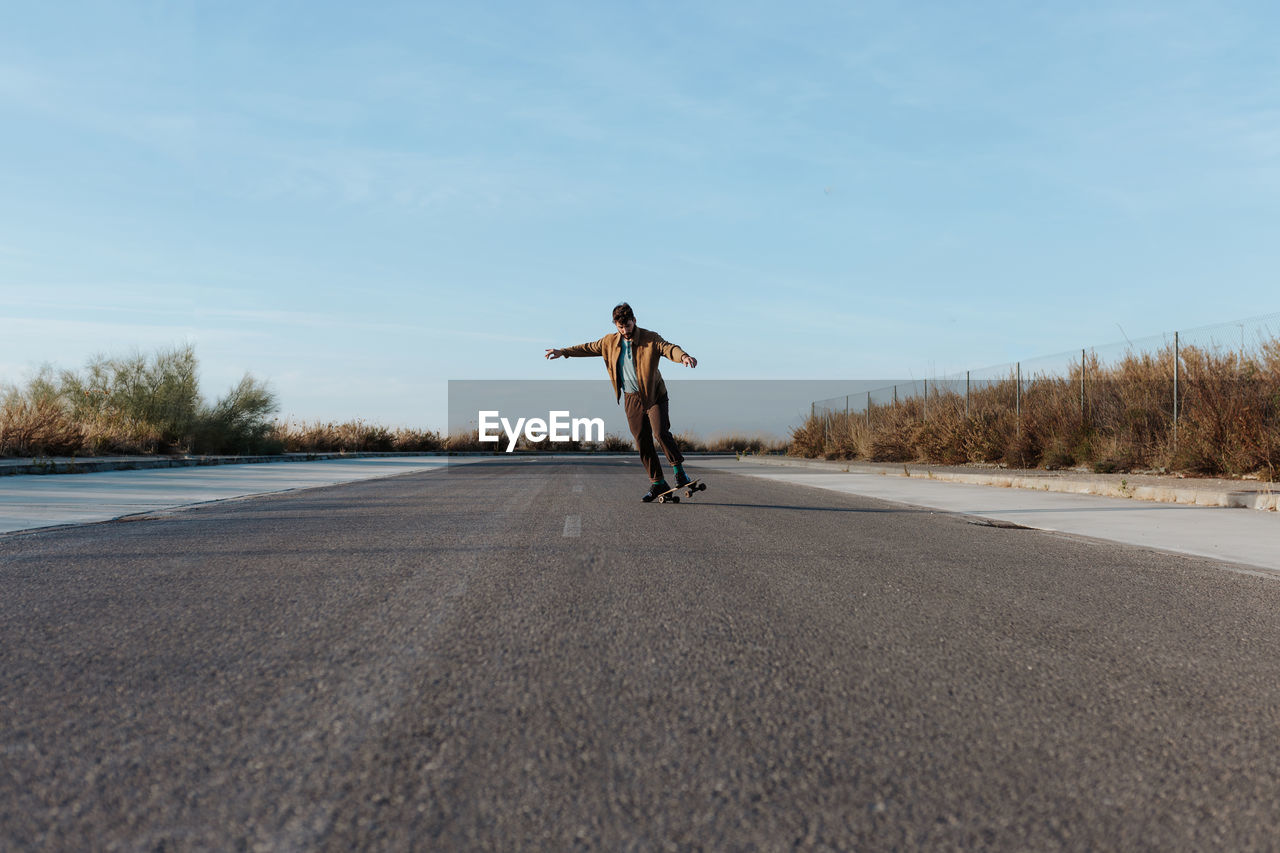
682 479
655 490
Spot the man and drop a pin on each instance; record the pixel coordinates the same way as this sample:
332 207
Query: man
631 355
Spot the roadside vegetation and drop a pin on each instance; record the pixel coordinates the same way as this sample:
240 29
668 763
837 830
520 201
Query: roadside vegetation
353 437
134 404
140 404
729 443
149 404
614 443
1228 420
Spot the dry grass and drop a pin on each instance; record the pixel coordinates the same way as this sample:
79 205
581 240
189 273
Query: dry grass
353 437
727 443
111 434
1229 419
1231 414
614 443
744 443
39 427
467 442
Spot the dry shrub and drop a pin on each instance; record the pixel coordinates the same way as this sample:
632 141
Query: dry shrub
992 427
1130 408
111 434
893 438
1111 455
737 443
39 427
614 443
469 442
355 437
1230 421
1023 450
689 443
729 443
988 434
416 441
831 435
846 436
810 438
1229 418
1049 433
943 437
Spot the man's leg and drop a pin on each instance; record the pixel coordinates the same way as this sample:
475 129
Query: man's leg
660 424
642 432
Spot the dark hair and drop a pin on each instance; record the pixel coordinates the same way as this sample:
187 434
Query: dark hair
622 313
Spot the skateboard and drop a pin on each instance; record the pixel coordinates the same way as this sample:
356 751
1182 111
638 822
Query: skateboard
689 488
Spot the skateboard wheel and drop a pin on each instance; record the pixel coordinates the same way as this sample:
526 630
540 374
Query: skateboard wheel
662 499
674 499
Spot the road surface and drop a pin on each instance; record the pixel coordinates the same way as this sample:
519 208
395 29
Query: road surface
519 654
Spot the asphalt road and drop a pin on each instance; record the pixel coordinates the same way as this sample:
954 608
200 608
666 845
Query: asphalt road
520 655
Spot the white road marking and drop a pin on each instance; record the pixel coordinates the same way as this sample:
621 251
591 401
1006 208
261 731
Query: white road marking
573 525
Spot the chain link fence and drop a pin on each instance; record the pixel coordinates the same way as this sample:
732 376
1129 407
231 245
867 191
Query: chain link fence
1135 402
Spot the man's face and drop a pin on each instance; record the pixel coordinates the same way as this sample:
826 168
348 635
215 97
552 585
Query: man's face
626 329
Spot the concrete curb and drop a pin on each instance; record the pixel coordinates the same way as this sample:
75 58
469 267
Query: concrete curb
1115 486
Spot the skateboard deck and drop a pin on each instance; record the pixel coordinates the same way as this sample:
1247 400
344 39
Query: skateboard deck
695 485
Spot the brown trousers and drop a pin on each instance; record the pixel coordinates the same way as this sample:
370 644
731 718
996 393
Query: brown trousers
645 423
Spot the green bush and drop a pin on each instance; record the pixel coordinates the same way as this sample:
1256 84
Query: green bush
238 423
157 396
133 404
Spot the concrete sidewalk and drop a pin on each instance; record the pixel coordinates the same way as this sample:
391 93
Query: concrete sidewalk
29 501
1160 488
1201 529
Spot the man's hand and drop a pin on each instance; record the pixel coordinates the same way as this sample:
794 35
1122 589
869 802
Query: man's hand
555 353
689 361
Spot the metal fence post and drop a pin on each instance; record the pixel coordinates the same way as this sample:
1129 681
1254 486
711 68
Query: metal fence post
1018 396
868 410
966 393
926 401
1082 386
1175 390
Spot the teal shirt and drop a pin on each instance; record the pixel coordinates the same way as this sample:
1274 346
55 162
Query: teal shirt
627 369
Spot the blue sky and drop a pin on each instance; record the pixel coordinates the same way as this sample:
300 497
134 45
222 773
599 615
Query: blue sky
358 205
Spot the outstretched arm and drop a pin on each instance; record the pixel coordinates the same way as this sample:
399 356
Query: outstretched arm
592 348
675 353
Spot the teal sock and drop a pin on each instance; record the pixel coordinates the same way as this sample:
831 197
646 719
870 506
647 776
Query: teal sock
678 469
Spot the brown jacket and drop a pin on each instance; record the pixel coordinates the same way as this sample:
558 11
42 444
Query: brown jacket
647 346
